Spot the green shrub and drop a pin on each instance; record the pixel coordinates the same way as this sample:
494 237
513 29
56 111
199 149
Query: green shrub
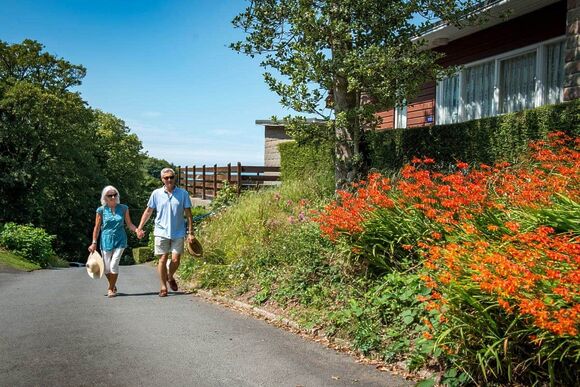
486 140
142 254
226 196
308 162
30 242
385 233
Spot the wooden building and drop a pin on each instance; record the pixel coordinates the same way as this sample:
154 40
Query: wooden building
525 56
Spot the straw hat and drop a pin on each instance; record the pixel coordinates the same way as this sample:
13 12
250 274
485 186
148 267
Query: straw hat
95 265
194 247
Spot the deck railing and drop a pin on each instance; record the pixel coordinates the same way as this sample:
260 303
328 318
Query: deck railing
206 181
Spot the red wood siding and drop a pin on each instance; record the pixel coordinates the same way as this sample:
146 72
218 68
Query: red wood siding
543 24
387 119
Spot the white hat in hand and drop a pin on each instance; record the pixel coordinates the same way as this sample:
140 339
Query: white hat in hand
95 265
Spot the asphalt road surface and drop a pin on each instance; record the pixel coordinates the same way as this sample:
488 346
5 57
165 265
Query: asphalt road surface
58 328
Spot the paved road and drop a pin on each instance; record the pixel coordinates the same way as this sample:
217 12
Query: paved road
58 328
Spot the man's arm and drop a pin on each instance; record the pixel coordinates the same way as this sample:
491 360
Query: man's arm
144 218
187 212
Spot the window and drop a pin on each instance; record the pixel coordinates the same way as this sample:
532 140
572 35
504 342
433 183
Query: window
478 91
401 116
517 83
517 80
448 100
554 73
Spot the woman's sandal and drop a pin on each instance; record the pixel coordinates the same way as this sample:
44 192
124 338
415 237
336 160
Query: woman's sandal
163 293
111 293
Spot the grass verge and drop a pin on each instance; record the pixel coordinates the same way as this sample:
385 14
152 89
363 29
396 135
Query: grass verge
16 262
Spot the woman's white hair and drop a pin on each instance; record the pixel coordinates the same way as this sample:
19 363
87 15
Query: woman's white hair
165 170
106 190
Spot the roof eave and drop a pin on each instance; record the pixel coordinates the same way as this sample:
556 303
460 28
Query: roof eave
499 11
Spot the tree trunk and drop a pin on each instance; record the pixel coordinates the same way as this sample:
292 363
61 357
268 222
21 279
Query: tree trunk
348 162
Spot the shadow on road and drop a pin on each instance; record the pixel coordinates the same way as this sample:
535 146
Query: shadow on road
170 294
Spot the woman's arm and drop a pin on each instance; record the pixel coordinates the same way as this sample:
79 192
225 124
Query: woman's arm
96 230
128 221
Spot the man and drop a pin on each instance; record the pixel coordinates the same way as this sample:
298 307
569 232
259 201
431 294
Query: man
171 204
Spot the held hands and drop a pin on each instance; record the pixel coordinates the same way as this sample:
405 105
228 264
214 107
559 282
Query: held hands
140 233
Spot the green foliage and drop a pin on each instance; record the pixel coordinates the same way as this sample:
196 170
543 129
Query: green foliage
487 140
226 196
151 168
142 254
56 154
14 261
485 343
285 260
127 260
119 158
34 244
386 232
563 215
307 162
345 49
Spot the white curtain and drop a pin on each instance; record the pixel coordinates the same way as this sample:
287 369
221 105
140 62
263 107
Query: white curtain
553 89
517 83
448 107
401 117
478 90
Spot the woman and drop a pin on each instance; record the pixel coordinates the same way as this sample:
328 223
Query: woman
110 221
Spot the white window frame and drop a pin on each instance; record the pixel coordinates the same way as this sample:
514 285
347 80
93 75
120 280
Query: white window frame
539 95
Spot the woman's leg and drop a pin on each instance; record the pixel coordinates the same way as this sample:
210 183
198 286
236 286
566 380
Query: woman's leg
107 257
114 269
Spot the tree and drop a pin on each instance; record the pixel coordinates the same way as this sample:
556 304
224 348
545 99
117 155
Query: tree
120 156
47 158
363 55
56 154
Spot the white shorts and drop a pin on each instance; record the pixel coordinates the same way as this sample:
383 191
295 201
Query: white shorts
166 245
112 259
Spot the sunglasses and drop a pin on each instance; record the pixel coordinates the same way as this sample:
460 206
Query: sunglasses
112 196
168 177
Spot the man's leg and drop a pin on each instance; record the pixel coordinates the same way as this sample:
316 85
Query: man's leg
162 270
173 266
162 249
176 251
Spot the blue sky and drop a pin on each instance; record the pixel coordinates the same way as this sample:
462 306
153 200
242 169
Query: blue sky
162 66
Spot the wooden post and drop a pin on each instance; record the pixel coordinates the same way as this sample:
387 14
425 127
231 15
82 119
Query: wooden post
214 181
229 173
178 181
203 182
194 179
186 177
239 178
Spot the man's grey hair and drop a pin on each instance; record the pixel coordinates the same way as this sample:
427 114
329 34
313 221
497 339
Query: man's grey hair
165 170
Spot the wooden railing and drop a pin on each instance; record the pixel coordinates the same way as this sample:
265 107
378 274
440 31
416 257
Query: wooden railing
206 181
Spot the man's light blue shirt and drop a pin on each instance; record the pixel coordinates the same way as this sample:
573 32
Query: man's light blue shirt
169 221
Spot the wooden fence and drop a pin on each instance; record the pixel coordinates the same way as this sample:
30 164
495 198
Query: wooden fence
206 181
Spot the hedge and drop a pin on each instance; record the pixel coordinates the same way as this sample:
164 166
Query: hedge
485 140
142 254
299 162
